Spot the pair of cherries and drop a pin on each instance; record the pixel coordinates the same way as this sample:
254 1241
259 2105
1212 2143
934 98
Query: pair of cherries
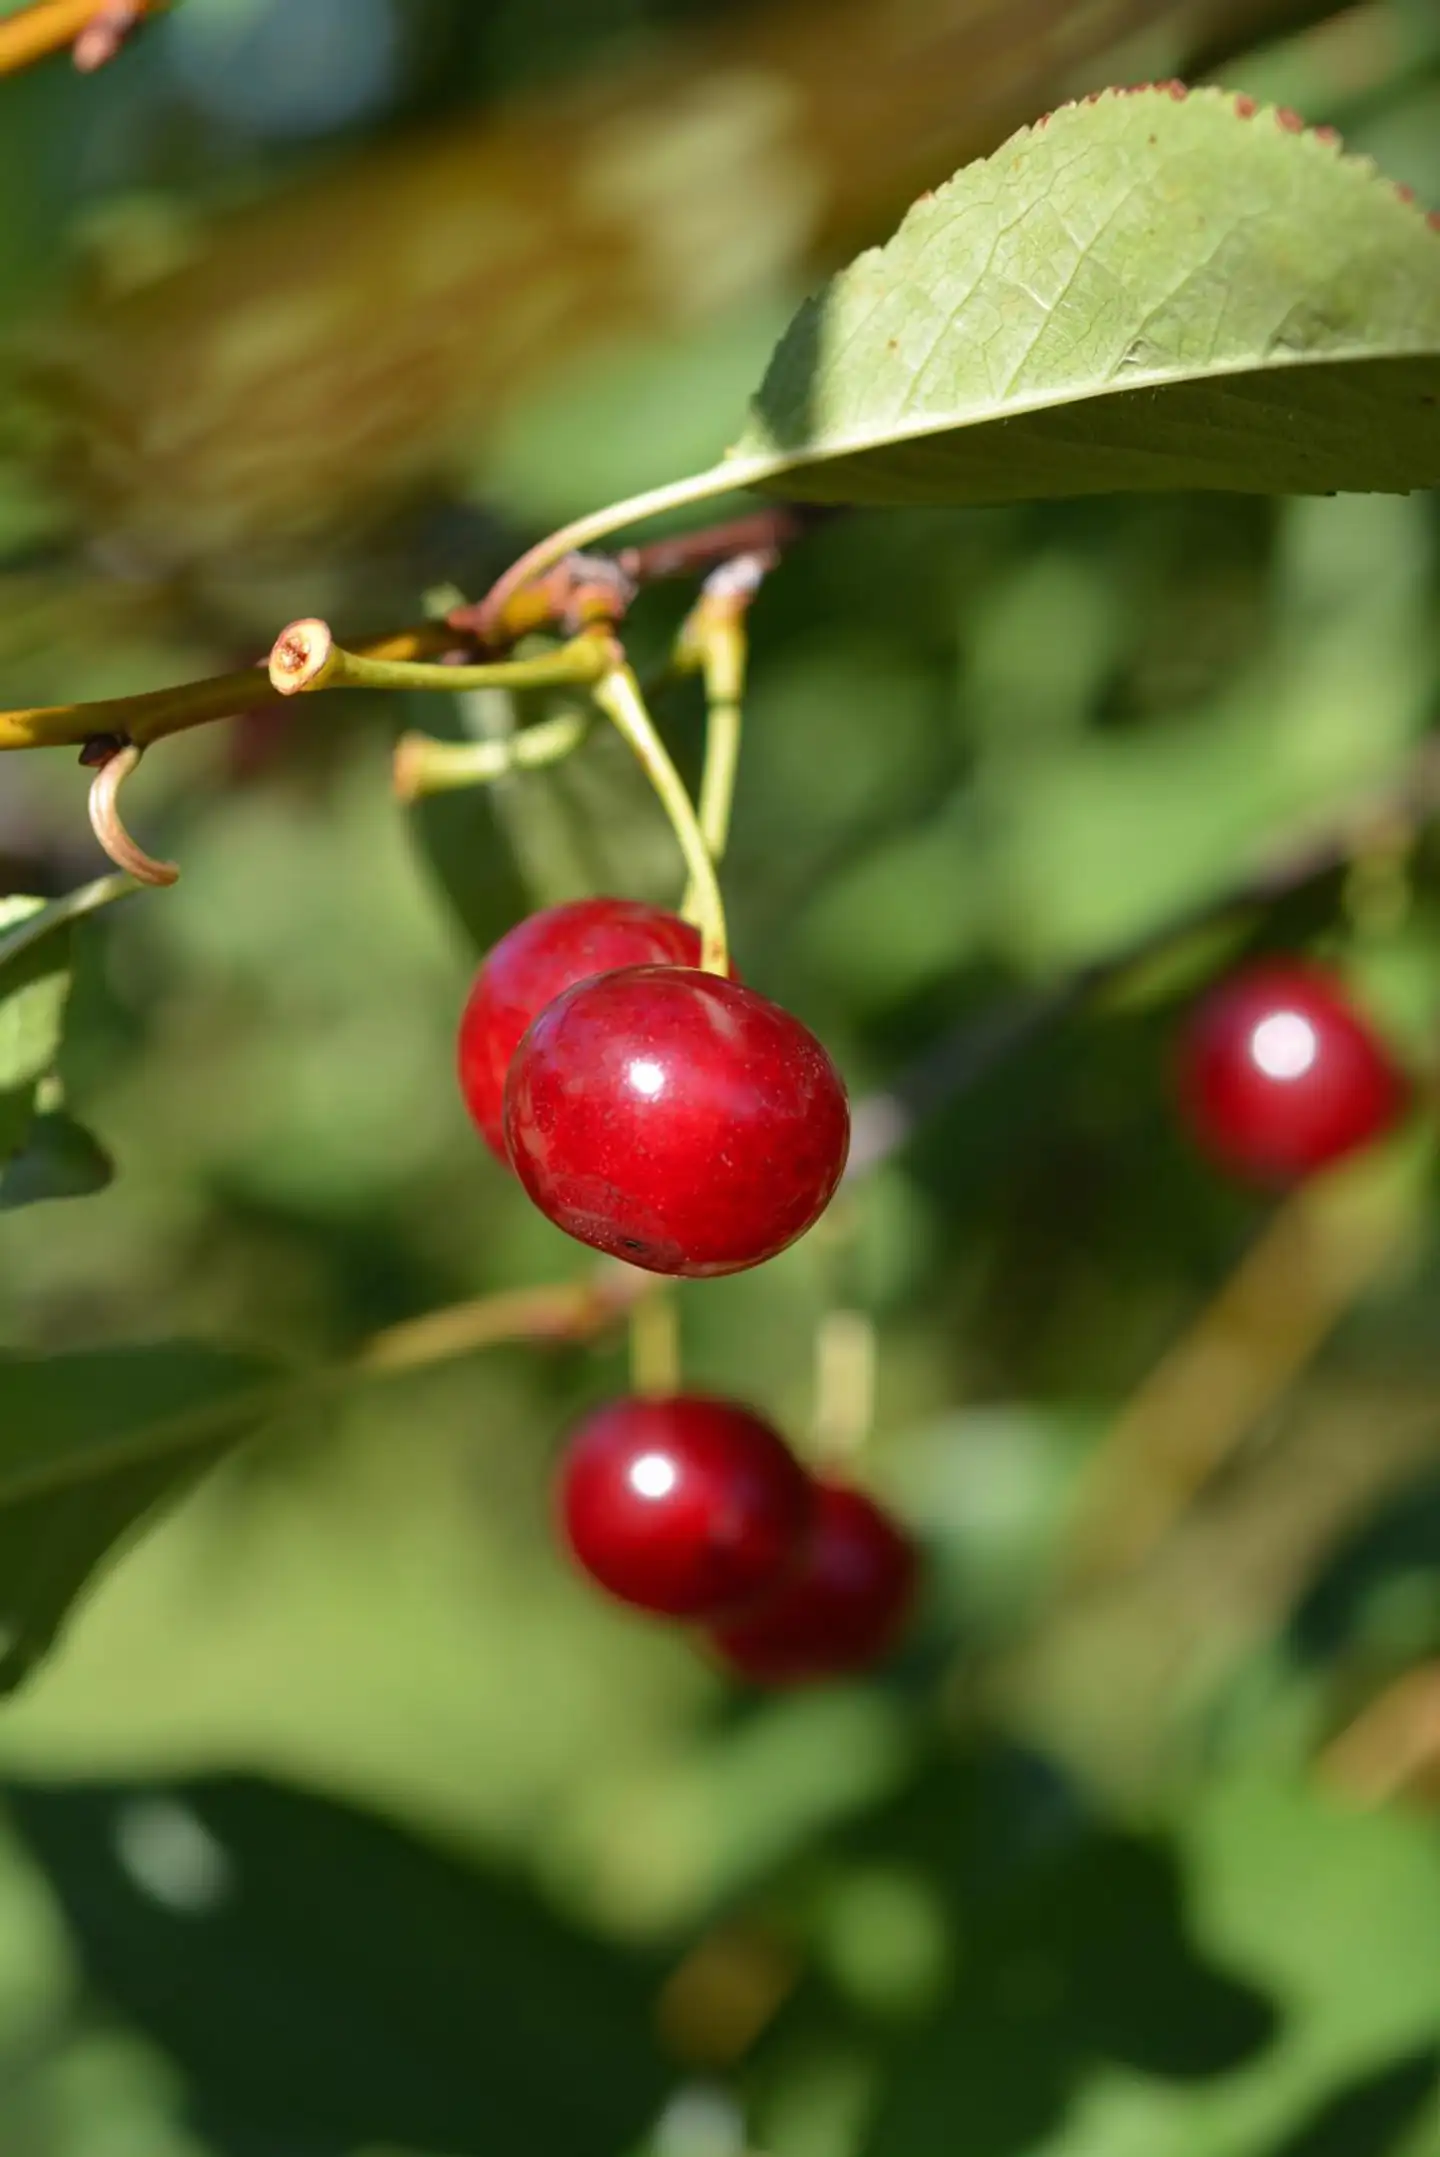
672 1118
694 1508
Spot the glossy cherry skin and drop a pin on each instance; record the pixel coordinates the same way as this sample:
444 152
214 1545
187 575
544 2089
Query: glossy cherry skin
839 1609
527 970
1279 1074
676 1120
683 1505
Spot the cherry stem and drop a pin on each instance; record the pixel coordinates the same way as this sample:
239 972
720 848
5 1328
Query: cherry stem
108 827
844 1385
655 1345
599 524
555 1313
306 657
586 590
424 765
713 638
618 695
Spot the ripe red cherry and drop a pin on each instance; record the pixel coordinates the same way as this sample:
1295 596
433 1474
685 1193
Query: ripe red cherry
684 1505
1279 1074
676 1120
839 1609
527 970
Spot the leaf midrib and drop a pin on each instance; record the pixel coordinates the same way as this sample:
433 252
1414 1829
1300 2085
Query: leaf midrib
743 472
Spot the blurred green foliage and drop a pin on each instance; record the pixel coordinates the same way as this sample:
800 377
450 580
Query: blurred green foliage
344 1819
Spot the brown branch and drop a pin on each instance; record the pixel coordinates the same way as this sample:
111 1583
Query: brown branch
1392 1748
1312 1261
583 588
95 29
764 532
578 593
558 1314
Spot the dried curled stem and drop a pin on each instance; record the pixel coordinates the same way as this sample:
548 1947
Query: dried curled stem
105 820
303 656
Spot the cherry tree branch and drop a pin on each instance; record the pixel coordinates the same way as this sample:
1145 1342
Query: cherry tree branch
582 591
156 713
93 29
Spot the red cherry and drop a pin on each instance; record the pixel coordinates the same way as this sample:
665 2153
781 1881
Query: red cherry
1280 1075
527 970
676 1120
839 1609
685 1505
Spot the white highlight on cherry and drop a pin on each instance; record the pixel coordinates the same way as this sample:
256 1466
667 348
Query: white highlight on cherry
1284 1045
653 1476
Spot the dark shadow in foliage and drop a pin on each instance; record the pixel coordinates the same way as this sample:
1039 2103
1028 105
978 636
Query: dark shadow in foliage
1403 1536
59 1159
785 401
1071 1949
1369 2119
323 1982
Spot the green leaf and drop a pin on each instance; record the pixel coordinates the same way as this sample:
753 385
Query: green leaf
33 989
34 922
34 986
88 1444
59 1159
1152 289
347 1986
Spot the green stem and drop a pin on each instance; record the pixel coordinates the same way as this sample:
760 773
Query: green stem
601 523
425 766
655 1344
305 657
618 695
718 642
717 778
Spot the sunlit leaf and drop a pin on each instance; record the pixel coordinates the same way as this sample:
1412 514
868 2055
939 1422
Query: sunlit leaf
1148 290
